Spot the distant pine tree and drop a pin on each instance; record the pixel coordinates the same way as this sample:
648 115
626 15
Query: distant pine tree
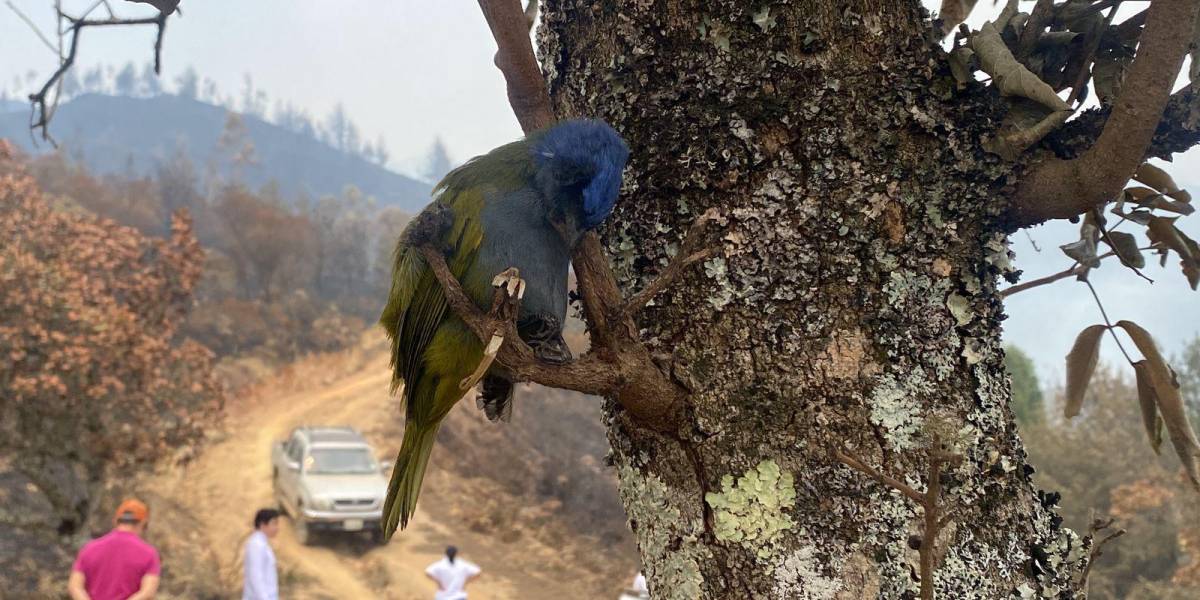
126 81
187 85
438 163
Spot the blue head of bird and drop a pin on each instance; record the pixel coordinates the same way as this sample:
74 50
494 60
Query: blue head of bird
578 167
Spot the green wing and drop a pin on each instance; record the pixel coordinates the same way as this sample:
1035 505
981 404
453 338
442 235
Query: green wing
417 307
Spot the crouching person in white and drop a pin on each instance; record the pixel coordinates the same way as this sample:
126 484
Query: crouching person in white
451 576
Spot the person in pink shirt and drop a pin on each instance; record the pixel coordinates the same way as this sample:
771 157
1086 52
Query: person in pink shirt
118 565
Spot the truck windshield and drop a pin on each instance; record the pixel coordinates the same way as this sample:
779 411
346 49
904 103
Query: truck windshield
329 461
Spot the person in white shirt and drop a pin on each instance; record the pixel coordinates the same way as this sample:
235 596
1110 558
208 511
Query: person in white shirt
451 576
639 585
261 577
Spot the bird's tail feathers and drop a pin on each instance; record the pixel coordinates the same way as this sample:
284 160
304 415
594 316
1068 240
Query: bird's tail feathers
409 470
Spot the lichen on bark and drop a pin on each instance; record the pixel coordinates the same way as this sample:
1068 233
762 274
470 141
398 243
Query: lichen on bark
753 509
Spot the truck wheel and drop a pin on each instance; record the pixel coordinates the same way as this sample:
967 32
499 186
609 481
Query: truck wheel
377 535
303 533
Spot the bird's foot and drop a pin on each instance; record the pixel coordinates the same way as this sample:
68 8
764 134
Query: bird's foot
429 228
544 335
552 351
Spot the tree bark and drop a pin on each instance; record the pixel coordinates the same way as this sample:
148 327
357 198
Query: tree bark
853 303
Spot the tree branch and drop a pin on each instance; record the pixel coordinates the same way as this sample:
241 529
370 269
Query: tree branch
689 254
854 463
1041 16
929 501
625 373
1058 188
1178 129
618 365
586 375
1075 269
41 117
1095 551
517 62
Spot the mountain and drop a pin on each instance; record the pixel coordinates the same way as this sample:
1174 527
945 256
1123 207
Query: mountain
121 134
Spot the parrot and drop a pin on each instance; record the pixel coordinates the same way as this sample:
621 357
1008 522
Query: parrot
524 205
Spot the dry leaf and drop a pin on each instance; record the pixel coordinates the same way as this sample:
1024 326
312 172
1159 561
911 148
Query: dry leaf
1139 194
1161 181
1081 363
1126 247
1193 276
1010 77
1083 250
1141 217
1144 196
1162 230
1148 402
1169 401
1191 269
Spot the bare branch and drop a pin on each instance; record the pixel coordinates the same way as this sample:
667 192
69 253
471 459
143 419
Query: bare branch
1075 269
1178 130
41 117
516 60
94 6
33 26
1095 551
1059 188
858 465
929 501
688 254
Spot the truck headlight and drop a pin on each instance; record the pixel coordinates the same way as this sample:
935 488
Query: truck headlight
322 503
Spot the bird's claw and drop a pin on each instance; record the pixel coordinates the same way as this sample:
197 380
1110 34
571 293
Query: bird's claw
510 281
489 355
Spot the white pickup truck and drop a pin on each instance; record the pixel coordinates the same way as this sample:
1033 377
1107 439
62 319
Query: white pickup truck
327 479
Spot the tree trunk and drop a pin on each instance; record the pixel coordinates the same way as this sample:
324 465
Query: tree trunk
853 305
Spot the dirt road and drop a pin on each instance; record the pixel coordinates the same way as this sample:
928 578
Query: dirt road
231 479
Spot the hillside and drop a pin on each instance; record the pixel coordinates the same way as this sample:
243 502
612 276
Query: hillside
115 134
491 490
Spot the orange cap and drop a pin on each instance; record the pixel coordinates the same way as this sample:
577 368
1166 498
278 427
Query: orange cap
131 511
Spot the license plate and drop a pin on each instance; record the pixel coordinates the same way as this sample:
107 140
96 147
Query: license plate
352 524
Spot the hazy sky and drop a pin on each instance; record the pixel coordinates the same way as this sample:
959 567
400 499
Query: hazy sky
406 70
409 70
